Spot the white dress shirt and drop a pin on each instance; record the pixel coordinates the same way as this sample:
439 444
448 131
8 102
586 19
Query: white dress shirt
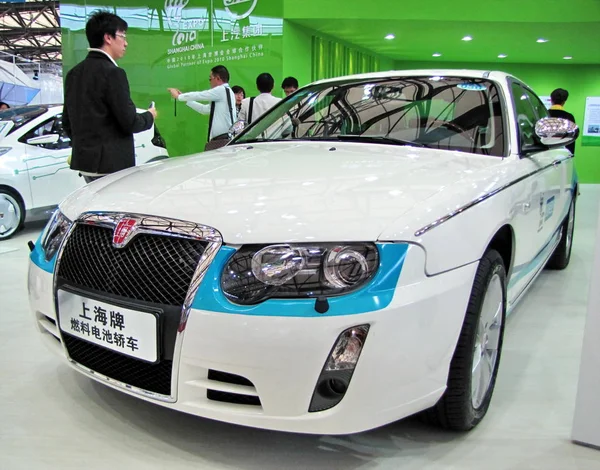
222 117
262 103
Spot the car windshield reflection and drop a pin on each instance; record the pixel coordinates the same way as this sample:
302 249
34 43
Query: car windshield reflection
447 113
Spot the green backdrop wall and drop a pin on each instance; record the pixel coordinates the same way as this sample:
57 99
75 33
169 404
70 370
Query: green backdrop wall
176 46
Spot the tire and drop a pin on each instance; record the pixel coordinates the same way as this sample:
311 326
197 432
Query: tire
562 253
12 214
469 392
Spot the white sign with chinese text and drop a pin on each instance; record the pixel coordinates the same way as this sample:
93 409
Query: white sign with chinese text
547 101
123 330
591 122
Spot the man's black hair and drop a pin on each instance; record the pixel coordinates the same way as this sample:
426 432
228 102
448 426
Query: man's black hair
221 72
265 83
289 82
237 89
101 23
559 96
2 103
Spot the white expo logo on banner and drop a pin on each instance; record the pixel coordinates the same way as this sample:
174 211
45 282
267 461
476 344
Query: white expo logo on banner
235 14
186 51
185 30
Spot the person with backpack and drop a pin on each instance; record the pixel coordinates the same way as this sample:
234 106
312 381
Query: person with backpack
253 108
221 108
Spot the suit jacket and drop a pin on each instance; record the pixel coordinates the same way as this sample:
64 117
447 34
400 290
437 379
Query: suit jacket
100 117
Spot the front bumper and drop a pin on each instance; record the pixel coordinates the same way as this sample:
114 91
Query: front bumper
403 367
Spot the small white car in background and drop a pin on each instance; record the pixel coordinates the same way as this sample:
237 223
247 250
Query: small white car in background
34 174
348 260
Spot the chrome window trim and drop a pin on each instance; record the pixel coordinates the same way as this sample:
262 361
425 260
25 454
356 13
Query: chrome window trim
156 225
482 198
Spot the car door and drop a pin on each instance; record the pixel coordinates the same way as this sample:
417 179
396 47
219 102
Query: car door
50 177
556 178
542 190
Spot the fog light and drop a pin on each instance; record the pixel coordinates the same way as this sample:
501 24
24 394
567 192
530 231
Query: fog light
335 378
347 349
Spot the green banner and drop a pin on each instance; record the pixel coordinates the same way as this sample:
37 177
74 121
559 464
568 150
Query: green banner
175 43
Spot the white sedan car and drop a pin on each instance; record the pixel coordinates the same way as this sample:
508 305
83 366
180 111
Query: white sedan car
34 173
346 261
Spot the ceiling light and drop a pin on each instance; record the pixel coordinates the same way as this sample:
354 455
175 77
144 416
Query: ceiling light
437 54
540 40
467 38
567 57
502 56
390 36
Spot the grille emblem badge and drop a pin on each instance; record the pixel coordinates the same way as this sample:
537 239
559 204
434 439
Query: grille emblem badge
124 231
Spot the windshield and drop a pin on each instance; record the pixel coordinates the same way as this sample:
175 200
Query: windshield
21 115
448 113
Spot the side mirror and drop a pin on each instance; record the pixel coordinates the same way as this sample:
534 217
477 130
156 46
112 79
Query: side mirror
237 128
556 132
44 139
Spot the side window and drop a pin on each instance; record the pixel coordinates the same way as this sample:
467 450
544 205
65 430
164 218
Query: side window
52 126
538 106
525 114
43 129
64 141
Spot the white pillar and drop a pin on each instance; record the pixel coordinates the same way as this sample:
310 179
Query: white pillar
586 425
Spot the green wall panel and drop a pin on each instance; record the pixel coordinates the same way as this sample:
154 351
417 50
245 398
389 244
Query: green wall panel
334 58
297 54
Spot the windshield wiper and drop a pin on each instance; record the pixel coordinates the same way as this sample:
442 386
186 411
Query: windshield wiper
378 139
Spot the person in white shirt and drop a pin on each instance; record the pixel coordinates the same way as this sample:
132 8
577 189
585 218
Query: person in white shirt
253 108
221 110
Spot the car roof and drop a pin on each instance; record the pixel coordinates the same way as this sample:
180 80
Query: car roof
466 73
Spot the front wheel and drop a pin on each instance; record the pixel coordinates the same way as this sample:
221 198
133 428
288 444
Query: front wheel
474 366
12 214
562 253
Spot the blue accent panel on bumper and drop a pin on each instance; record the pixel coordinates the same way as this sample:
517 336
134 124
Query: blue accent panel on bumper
37 257
376 295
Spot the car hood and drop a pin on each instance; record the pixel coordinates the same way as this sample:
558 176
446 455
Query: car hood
284 192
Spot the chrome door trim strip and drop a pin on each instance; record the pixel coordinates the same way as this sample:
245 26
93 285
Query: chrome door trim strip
483 198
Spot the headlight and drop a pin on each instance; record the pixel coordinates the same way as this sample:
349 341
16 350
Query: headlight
54 234
4 150
257 272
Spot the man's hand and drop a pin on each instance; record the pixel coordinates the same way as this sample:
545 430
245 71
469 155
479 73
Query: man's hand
174 92
152 111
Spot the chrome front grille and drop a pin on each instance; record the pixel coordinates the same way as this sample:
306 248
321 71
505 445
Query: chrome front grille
151 268
156 264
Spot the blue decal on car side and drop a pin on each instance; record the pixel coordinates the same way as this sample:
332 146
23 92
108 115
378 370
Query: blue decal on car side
376 295
522 270
549 207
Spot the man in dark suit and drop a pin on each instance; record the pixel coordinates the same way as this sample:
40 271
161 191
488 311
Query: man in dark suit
99 115
559 98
